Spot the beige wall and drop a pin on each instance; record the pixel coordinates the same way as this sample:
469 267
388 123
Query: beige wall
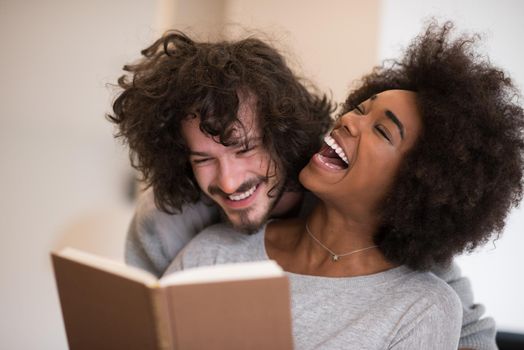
330 43
63 177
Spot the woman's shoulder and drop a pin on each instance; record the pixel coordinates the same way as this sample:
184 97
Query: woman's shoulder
216 244
433 294
432 313
222 234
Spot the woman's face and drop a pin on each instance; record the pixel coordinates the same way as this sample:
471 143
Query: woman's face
362 154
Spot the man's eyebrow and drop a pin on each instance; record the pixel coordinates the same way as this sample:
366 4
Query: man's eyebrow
239 144
200 154
247 141
397 122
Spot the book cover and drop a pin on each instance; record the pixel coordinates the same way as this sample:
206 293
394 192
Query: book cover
107 305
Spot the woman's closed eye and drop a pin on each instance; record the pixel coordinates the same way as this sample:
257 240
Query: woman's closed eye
384 133
359 109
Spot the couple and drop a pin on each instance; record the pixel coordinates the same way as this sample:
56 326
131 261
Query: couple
424 162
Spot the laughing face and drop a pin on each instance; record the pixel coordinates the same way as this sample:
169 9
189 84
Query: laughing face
361 156
237 177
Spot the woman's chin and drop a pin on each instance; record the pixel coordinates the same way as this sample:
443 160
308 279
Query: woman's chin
306 178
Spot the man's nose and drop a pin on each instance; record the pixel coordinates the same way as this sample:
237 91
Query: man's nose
230 176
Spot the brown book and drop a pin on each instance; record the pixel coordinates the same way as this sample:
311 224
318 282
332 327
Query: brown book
108 305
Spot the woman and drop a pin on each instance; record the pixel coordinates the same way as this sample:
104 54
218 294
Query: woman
424 163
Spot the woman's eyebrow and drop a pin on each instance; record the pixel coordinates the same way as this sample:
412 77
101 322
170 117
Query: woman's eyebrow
395 120
392 117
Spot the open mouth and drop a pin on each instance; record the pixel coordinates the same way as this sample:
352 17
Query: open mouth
333 155
243 195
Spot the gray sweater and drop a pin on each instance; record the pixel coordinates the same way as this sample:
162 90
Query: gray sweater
154 238
395 309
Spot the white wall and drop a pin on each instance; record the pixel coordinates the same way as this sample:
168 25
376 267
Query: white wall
495 271
63 176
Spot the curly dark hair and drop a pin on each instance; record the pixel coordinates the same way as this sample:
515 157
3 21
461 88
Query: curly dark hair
179 77
456 186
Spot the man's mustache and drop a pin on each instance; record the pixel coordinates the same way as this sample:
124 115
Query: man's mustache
215 190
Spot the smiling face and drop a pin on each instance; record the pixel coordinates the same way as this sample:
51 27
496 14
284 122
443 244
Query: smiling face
237 177
361 156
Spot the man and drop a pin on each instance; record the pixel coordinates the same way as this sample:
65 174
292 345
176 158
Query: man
222 130
247 165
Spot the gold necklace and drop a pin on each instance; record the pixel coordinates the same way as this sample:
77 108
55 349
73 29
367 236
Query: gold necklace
335 256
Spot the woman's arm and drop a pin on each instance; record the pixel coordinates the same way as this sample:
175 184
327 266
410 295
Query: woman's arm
154 238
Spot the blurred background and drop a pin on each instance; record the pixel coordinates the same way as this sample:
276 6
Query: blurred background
64 179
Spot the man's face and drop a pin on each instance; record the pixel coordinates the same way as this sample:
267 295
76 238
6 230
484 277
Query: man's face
237 177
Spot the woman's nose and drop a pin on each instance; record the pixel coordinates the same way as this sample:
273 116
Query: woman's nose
350 123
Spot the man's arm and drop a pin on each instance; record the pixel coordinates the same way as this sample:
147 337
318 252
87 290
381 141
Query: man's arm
154 238
477 333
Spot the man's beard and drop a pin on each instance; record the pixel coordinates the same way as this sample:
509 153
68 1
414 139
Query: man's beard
244 223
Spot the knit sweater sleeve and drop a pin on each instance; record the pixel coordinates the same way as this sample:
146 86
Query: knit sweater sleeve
436 327
154 237
477 332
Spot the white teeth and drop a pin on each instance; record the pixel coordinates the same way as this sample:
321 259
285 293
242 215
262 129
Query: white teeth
244 195
334 145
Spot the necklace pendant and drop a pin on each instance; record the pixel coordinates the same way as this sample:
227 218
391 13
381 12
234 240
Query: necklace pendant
334 257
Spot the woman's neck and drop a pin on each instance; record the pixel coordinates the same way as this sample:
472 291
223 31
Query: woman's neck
329 230
340 230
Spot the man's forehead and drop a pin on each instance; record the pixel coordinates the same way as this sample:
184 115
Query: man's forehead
241 137
243 131
247 111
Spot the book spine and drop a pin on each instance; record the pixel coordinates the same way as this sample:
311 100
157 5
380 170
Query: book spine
165 338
